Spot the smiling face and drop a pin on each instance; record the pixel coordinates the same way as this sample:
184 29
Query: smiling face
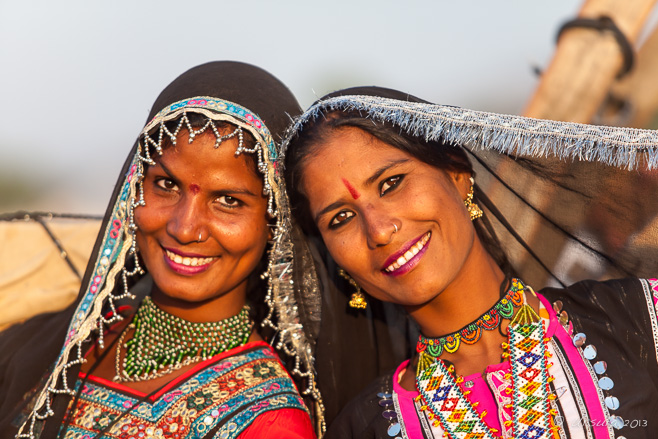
397 225
204 227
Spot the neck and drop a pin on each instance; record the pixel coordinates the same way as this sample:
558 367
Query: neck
210 310
474 290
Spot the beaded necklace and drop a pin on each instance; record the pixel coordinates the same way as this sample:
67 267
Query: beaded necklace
163 342
432 348
447 406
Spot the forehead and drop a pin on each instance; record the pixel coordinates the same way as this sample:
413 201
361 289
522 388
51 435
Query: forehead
350 149
200 162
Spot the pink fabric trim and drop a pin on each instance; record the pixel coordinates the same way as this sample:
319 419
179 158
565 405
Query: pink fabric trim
406 401
587 386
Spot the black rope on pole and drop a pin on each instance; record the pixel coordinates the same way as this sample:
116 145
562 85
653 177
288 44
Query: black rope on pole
605 24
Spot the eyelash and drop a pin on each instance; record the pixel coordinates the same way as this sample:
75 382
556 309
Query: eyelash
236 203
393 182
161 184
334 223
228 203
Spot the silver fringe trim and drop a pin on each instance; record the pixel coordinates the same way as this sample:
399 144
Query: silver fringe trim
622 147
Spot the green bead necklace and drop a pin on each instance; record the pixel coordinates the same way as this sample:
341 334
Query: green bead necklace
163 342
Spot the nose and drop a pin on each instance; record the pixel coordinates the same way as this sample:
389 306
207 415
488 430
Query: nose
380 226
186 221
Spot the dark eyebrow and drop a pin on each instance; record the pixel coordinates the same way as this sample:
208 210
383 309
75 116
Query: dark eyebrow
237 192
329 208
234 191
368 182
378 173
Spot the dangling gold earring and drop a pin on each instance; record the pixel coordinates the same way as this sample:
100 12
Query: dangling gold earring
358 300
473 209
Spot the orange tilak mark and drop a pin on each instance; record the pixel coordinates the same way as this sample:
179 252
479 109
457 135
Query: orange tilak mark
353 192
194 188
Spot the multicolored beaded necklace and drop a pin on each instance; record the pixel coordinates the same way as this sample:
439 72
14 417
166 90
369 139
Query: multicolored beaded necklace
447 405
471 333
163 342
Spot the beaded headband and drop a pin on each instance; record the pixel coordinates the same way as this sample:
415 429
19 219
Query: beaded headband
119 243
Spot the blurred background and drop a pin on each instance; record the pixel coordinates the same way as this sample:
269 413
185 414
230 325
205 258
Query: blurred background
78 78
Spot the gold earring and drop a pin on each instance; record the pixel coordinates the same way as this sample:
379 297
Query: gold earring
358 300
473 209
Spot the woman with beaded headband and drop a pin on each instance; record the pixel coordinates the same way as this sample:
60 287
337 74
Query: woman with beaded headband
164 341
386 181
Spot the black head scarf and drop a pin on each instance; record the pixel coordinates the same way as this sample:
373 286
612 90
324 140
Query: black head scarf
245 96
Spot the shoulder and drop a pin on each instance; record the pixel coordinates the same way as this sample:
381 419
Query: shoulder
617 298
630 296
362 417
620 313
288 423
263 400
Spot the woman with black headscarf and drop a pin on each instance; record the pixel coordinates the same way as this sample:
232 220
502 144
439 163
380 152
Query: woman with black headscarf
385 180
163 340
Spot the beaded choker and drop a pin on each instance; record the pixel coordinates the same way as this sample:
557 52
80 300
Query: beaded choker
163 342
471 333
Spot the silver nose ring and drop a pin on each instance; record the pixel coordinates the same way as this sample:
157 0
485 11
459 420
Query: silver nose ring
396 228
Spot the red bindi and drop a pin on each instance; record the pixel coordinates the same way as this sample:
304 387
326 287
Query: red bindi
194 188
353 192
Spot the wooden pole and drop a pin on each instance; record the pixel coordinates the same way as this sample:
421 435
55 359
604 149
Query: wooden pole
634 100
585 65
586 62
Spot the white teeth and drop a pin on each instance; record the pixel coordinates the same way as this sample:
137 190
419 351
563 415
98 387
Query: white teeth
413 251
187 261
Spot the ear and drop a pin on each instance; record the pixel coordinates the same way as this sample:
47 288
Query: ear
462 181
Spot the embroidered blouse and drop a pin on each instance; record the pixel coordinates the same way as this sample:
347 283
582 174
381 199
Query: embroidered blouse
244 392
605 370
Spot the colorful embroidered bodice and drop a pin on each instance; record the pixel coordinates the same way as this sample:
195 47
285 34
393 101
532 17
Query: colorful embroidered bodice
583 405
219 398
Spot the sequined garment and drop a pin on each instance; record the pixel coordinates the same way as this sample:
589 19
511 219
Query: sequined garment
219 398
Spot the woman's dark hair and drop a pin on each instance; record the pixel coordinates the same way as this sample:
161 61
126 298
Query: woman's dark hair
438 154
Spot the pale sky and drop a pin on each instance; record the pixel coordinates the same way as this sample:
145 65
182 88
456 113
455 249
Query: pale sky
78 78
